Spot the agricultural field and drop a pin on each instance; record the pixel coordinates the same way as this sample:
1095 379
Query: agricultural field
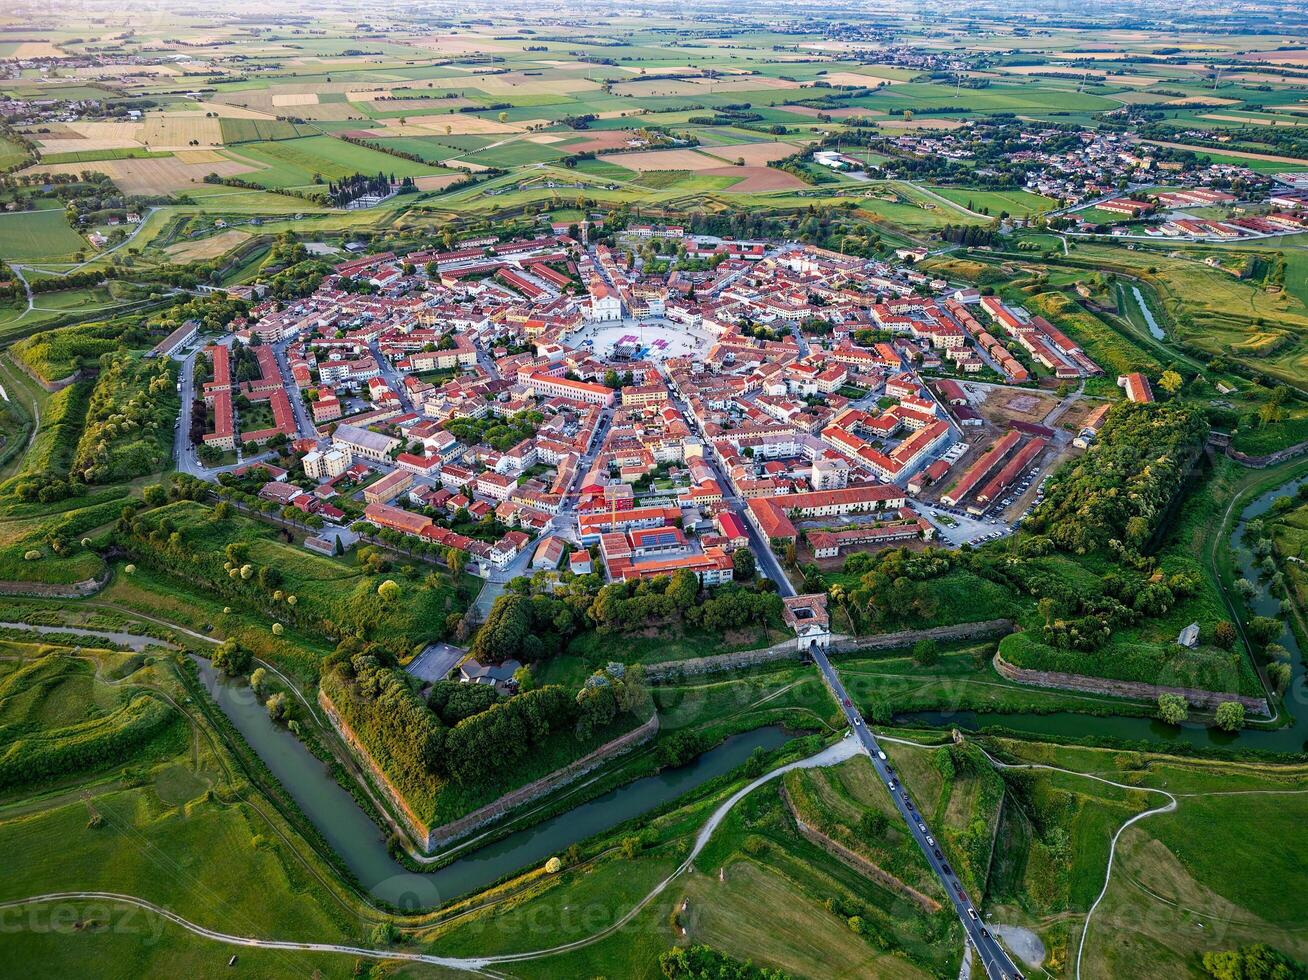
303 162
27 236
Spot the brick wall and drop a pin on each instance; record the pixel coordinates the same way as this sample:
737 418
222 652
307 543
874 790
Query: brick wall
1122 689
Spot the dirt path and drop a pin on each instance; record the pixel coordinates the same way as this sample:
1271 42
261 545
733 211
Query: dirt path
839 752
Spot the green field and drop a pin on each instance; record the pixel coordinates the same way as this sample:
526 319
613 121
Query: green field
27 236
296 162
1017 203
91 156
11 153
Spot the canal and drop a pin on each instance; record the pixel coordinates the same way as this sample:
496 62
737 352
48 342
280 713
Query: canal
1292 737
361 845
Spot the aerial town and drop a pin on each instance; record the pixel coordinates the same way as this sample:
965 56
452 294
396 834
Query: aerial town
760 492
665 420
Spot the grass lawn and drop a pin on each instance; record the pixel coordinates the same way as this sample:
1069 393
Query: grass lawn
1180 885
1018 203
145 826
1216 312
327 590
672 643
296 162
1116 353
797 935
27 236
11 153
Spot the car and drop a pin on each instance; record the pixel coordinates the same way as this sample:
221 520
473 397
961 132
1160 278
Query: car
931 841
881 755
858 722
971 912
890 783
922 827
939 856
848 703
958 890
949 872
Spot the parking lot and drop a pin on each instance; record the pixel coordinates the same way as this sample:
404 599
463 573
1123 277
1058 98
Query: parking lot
955 526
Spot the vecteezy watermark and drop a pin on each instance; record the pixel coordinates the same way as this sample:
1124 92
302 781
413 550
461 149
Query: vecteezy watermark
70 915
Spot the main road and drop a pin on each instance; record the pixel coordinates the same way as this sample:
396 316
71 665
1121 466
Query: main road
997 963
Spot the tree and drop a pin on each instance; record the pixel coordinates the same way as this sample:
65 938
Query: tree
389 590
683 589
1173 708
259 681
1171 382
1264 629
1230 716
456 559
925 652
1224 634
232 659
1047 605
279 707
743 566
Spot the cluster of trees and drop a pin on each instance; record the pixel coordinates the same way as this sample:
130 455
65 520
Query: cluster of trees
528 627
1255 962
462 733
706 963
128 421
621 606
535 619
733 607
1126 484
893 588
289 272
498 433
1076 618
970 235
356 186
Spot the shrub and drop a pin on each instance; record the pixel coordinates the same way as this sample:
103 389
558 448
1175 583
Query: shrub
1230 716
1173 708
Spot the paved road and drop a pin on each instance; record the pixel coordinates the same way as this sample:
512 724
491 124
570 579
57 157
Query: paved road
994 959
996 962
303 422
183 451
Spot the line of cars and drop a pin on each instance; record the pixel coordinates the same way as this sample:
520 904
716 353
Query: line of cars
951 879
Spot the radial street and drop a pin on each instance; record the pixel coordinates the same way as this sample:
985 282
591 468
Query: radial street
997 963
